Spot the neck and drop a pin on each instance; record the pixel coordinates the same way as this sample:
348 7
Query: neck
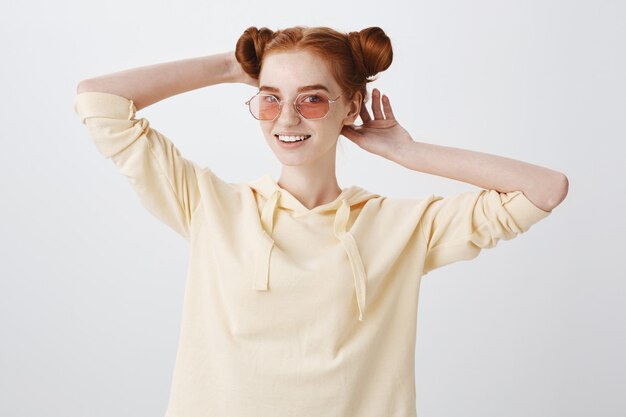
312 189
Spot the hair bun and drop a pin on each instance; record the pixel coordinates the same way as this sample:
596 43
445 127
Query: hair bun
372 50
250 47
352 57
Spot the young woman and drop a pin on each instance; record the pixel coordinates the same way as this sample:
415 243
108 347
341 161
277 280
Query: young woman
301 295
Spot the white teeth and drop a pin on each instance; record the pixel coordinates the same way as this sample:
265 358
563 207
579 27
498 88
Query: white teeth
292 138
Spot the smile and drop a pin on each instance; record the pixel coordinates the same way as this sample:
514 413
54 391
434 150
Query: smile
291 139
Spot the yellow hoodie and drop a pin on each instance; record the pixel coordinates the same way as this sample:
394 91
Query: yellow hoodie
290 311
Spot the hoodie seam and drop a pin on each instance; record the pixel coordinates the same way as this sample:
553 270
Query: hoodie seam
169 182
420 226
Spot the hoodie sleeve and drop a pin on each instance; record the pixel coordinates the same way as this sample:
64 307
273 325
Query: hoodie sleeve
460 226
165 182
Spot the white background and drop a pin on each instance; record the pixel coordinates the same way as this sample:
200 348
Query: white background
92 285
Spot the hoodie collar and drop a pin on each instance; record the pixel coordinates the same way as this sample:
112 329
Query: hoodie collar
266 186
279 198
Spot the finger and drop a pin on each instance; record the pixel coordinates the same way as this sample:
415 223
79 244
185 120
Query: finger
387 108
378 113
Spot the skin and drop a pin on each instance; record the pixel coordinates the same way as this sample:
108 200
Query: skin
307 171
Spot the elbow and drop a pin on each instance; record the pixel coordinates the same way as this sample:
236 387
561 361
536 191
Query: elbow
565 186
88 85
82 87
560 190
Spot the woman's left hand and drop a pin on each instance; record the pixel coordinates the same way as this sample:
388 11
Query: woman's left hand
381 136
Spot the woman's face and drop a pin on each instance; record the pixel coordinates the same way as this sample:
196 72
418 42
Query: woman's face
282 74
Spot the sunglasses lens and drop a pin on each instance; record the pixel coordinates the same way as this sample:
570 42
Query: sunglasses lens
313 106
310 106
264 107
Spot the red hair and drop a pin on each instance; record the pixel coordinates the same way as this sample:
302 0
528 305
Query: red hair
353 58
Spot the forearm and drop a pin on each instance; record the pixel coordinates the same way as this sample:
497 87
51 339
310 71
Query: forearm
149 84
544 187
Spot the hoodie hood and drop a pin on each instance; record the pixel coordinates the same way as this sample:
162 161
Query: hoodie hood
279 198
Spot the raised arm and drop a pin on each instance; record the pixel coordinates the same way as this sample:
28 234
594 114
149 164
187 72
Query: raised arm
166 182
544 187
149 84
384 136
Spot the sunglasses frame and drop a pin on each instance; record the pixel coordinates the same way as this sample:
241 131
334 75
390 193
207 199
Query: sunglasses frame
280 106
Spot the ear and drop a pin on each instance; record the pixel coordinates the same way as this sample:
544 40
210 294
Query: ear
354 109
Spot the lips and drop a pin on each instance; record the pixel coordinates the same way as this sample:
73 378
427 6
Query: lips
293 141
297 136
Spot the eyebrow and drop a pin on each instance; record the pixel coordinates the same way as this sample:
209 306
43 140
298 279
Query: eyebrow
300 89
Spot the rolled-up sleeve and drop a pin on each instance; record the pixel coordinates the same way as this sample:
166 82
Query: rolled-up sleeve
460 226
166 183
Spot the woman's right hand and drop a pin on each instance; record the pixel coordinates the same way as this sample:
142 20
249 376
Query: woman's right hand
238 75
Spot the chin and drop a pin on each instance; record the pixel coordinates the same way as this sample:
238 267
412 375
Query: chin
293 160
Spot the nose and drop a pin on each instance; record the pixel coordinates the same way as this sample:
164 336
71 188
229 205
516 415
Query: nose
288 115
